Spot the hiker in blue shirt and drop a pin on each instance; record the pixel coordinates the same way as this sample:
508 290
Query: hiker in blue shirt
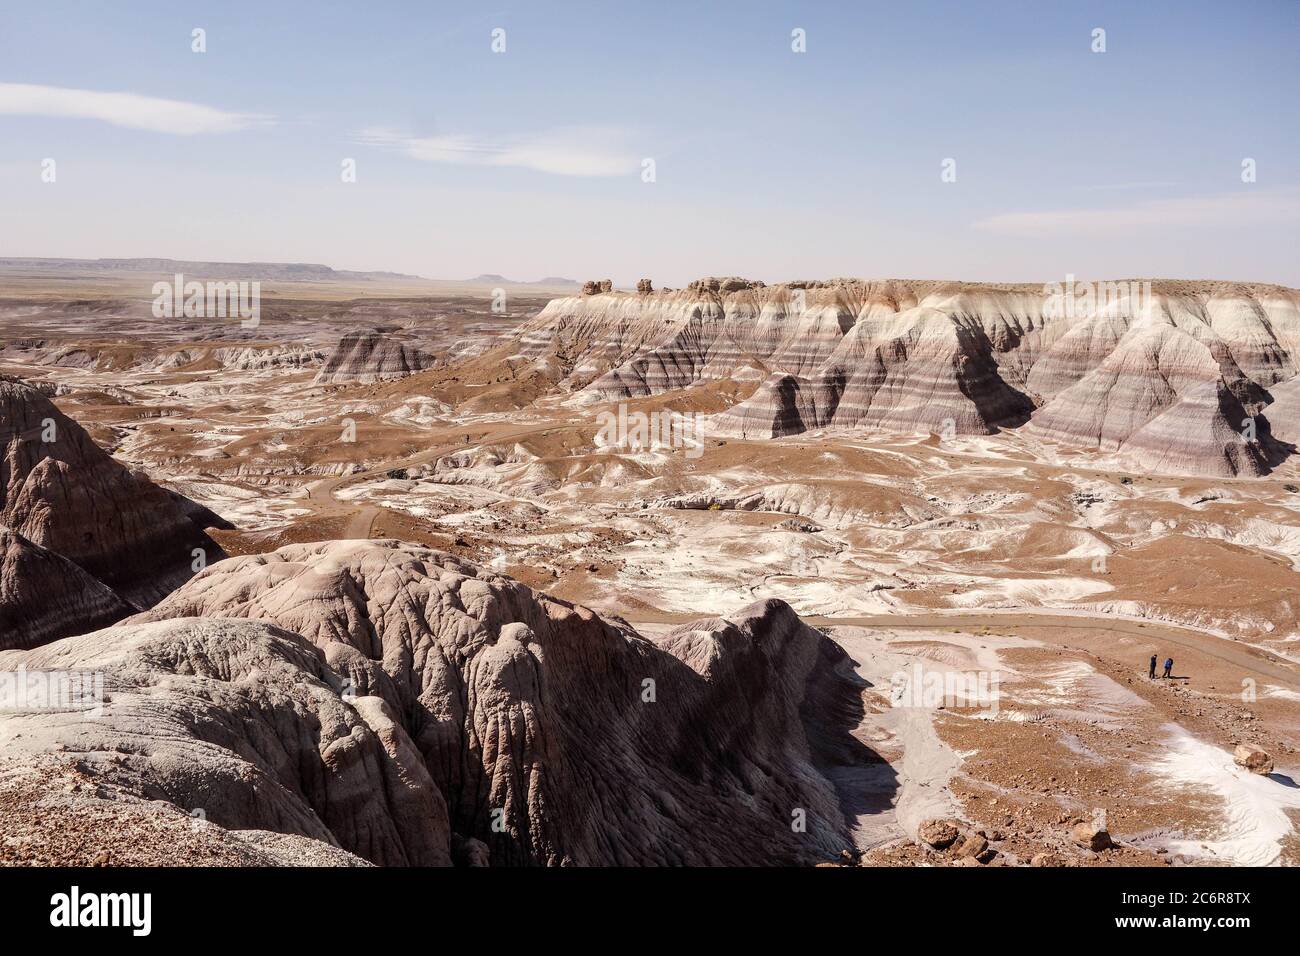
1169 666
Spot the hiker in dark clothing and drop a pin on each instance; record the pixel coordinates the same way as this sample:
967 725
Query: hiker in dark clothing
1169 665
1153 666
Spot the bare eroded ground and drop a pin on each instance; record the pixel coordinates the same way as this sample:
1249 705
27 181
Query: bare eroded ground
1035 568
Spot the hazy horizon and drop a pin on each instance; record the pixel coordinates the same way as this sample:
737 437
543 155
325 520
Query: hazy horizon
769 163
619 284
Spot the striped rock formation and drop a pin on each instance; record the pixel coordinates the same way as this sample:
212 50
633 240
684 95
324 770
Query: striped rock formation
582 741
1284 412
62 493
364 356
1168 376
44 596
1164 396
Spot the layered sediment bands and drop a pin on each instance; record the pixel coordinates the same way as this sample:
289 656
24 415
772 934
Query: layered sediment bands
1166 400
589 743
1262 334
918 369
364 356
237 724
44 596
1283 413
1080 350
60 490
1163 375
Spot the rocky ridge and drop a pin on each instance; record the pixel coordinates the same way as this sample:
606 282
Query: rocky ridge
64 500
1175 376
581 740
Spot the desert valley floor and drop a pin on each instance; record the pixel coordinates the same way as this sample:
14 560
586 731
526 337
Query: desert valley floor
464 444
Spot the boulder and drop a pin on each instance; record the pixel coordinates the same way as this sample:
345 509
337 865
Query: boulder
1254 758
1091 836
939 834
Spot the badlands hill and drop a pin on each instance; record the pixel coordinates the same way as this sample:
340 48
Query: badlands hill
364 356
409 708
85 540
1168 376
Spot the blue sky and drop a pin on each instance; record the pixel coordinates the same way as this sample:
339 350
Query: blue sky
768 163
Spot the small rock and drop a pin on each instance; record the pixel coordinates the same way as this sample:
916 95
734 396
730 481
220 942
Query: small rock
939 834
1045 859
1092 836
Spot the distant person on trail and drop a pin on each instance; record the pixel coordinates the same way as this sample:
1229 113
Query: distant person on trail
1153 666
1169 666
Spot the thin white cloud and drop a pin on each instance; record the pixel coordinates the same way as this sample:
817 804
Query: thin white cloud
122 109
1246 208
576 151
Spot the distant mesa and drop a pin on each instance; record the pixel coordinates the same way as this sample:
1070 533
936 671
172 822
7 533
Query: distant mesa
1183 383
364 356
253 272
248 271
